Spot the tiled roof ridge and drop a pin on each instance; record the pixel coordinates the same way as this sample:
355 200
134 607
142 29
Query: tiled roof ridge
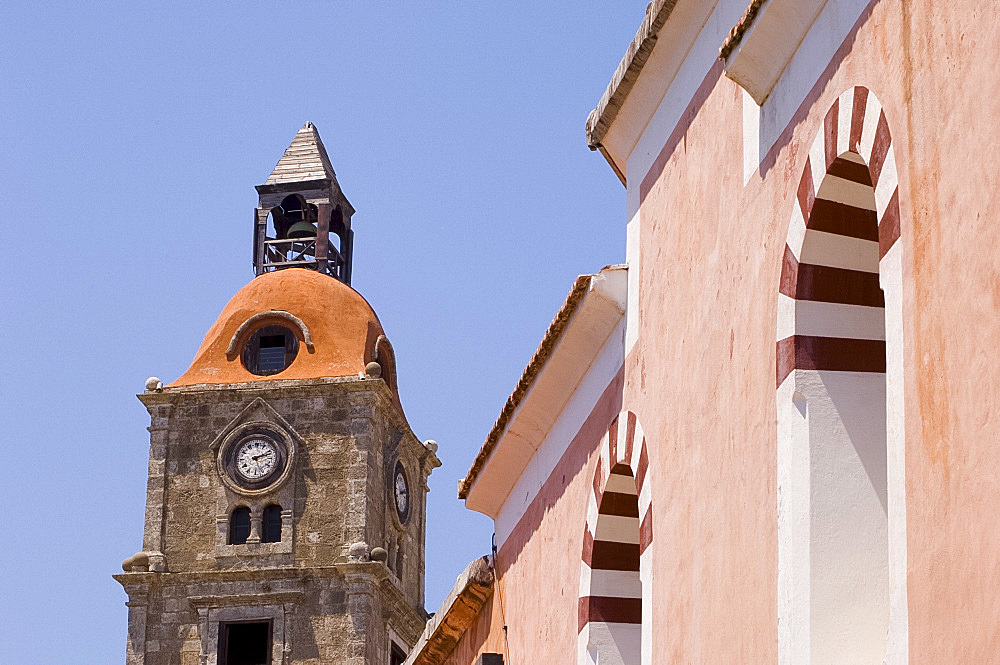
741 28
627 73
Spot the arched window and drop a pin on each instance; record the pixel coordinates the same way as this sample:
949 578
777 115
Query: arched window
615 610
239 526
614 606
832 427
270 527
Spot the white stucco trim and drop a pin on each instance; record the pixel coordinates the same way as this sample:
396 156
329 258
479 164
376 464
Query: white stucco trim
825 319
891 272
786 317
682 63
632 258
836 251
793 526
602 371
645 497
617 528
844 112
817 161
887 182
609 583
592 514
556 377
817 48
751 136
796 231
847 192
873 109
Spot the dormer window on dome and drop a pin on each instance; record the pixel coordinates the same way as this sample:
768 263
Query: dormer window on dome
270 350
303 219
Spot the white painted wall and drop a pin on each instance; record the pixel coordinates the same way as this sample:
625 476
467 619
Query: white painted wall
632 249
819 45
833 563
849 610
890 276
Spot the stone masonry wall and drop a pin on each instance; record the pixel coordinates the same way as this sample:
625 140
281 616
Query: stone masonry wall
330 609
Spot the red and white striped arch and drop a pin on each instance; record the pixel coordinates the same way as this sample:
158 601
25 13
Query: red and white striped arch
614 607
855 148
840 310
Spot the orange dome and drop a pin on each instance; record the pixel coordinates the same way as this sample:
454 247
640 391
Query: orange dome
336 327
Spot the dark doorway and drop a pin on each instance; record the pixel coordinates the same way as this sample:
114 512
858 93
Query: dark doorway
245 643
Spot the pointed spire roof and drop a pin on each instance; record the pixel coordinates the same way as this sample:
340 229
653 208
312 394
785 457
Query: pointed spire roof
305 159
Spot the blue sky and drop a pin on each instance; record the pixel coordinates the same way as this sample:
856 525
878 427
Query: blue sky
130 141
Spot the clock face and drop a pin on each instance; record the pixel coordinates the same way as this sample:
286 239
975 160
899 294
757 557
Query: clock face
256 458
401 492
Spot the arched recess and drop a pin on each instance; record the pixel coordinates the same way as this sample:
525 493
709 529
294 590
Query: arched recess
841 487
615 609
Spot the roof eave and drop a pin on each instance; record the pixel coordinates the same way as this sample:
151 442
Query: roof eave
600 300
601 118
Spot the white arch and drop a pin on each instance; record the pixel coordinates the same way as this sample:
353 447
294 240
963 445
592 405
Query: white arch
856 124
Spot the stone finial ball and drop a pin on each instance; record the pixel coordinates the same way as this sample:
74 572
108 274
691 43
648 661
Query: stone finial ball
153 383
128 563
373 370
379 554
358 550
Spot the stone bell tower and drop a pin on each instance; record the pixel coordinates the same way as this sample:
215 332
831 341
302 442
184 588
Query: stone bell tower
285 503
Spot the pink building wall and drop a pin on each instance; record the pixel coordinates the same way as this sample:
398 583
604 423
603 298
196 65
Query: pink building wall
538 566
701 375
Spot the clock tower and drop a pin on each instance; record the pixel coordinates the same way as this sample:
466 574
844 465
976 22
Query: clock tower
285 502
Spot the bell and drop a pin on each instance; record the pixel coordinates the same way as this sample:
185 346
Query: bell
302 230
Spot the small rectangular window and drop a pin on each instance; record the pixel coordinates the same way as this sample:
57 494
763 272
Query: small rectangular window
272 341
270 358
239 526
270 525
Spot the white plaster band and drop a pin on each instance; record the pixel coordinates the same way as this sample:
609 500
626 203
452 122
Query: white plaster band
796 231
612 584
873 110
817 159
838 251
616 528
887 182
620 484
845 106
825 319
848 192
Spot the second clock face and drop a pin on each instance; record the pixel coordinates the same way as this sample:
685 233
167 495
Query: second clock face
256 458
401 492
